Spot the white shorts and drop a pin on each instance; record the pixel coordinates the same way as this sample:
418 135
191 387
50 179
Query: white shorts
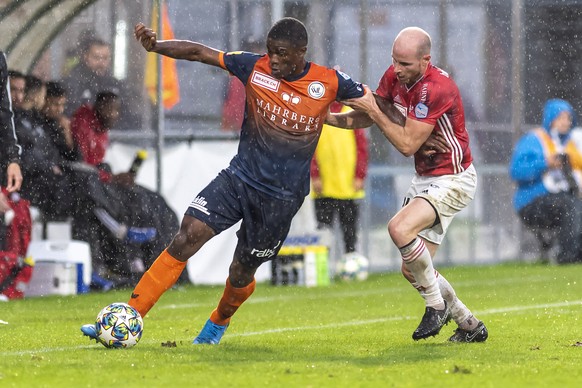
448 195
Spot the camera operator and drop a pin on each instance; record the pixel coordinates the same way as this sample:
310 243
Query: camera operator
547 167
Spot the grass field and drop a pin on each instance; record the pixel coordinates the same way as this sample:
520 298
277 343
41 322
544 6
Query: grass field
344 335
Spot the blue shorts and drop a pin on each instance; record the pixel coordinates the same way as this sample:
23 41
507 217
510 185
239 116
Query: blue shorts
265 219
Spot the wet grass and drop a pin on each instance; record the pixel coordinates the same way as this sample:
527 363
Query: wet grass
344 335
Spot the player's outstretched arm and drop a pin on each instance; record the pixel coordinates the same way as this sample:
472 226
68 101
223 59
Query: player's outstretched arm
358 118
351 120
178 49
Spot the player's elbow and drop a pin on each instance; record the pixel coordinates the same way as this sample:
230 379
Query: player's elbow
407 153
407 149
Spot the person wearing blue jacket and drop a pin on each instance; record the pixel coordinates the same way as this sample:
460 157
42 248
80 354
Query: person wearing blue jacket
546 165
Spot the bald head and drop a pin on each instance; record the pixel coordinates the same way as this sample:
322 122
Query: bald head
411 54
413 40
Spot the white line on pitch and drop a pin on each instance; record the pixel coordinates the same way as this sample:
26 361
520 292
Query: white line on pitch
328 326
347 294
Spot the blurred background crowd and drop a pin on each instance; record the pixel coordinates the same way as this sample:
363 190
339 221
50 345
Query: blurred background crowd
79 83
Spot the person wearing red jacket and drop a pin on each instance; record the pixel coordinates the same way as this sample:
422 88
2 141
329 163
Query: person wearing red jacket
90 126
16 225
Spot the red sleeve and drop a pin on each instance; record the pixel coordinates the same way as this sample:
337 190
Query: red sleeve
439 100
362 153
386 84
91 138
81 128
105 176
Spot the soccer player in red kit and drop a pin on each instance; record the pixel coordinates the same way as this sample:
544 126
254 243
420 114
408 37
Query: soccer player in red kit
287 98
445 180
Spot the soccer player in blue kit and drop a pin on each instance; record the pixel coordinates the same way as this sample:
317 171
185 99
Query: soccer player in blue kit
266 182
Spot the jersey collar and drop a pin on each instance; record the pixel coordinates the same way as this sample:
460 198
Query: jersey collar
408 89
300 75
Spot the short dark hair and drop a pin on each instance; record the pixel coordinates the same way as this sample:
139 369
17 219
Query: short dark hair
89 42
105 97
15 74
33 84
290 30
55 89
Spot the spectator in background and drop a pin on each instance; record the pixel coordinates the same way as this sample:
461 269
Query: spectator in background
93 75
90 127
74 53
34 97
139 220
338 171
57 125
17 88
15 225
46 186
546 165
9 150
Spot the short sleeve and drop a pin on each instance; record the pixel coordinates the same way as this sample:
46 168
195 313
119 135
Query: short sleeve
240 64
347 87
385 86
437 103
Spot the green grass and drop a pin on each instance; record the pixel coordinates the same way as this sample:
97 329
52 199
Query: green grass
344 335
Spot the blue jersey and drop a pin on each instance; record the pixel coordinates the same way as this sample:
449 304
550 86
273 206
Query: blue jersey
283 121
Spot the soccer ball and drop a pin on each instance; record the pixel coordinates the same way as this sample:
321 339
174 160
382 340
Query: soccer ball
353 266
119 326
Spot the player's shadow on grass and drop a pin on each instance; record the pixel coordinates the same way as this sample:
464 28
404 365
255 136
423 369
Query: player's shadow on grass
237 353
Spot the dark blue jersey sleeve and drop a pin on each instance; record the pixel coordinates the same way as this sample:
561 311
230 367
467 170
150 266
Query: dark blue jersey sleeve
347 87
241 64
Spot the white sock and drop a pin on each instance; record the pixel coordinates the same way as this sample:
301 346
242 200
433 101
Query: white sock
417 260
461 314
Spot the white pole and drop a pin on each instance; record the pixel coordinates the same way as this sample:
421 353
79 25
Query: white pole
160 106
516 64
277 7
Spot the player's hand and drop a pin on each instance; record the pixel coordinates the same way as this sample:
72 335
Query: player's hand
146 36
435 144
126 179
14 177
4 205
366 103
56 170
558 161
358 184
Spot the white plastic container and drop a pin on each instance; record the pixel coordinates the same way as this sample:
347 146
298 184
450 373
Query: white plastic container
51 278
70 252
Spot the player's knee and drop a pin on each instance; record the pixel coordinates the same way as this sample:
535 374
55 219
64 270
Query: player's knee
394 229
191 236
240 275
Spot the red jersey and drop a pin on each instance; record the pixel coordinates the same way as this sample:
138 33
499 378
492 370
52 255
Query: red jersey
434 99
